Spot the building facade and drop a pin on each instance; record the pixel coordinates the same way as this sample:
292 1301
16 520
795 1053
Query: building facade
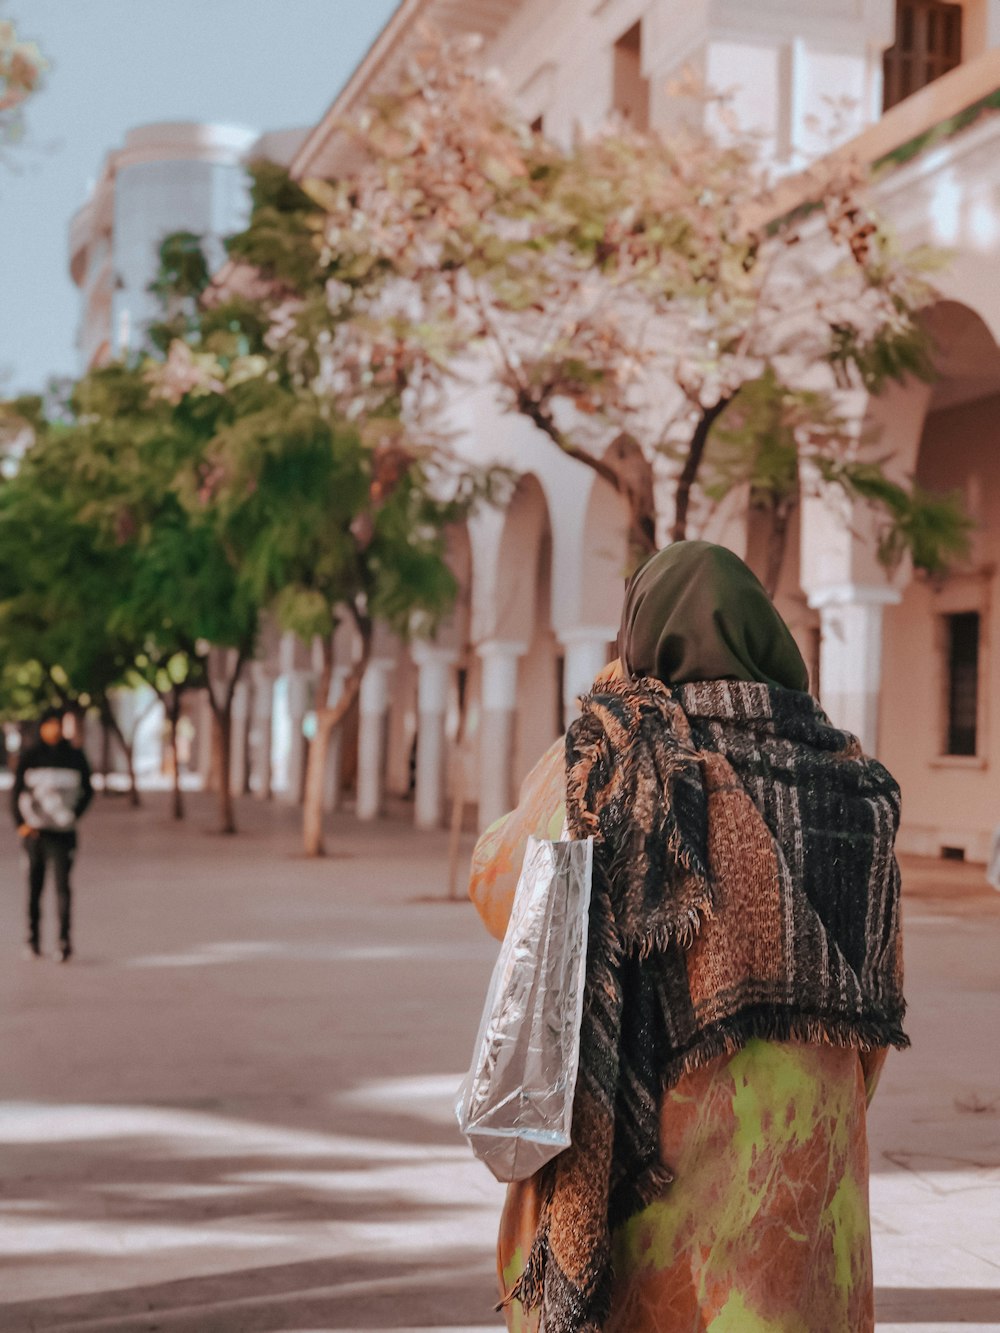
174 176
168 177
910 664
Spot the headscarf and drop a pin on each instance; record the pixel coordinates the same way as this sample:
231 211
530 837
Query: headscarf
695 611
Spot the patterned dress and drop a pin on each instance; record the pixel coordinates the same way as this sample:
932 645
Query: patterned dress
765 1228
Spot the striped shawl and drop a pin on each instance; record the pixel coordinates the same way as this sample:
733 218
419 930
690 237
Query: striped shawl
744 886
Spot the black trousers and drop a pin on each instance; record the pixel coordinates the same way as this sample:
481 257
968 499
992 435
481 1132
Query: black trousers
57 850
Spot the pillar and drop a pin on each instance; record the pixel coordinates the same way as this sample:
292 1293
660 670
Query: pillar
496 733
434 667
291 694
204 739
585 650
851 655
374 705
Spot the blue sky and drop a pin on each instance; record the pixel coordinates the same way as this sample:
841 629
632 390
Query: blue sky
267 64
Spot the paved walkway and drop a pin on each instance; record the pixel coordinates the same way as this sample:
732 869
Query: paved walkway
231 1112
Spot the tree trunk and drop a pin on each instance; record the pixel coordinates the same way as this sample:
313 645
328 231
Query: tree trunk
173 706
220 698
105 752
777 542
327 721
616 468
127 749
223 718
692 466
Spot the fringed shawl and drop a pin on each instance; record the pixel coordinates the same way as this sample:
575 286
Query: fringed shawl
744 886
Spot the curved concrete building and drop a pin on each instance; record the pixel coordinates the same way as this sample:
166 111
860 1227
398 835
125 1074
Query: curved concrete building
173 176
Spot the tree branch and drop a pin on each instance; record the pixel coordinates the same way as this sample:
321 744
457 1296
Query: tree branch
692 465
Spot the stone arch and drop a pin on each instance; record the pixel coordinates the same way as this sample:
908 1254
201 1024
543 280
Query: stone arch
525 545
517 686
950 797
425 704
526 567
606 557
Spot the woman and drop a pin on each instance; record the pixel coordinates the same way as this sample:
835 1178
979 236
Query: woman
743 982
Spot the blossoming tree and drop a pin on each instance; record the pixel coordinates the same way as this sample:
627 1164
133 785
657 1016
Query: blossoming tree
628 290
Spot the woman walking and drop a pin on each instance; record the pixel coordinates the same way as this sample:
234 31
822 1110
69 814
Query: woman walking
743 982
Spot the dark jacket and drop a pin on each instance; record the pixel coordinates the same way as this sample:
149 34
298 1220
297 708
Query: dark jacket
52 787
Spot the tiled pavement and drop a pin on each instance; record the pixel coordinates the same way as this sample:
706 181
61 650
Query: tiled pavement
231 1112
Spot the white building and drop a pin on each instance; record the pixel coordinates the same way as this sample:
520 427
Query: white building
166 178
913 668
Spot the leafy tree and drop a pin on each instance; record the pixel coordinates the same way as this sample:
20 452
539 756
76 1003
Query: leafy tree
632 287
335 519
58 588
145 456
130 585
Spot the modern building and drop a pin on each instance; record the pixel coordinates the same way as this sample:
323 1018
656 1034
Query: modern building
165 178
911 664
169 177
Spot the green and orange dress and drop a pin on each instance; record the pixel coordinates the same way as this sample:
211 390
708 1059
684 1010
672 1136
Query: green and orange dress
765 1227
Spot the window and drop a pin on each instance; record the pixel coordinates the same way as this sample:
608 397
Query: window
962 647
631 91
928 44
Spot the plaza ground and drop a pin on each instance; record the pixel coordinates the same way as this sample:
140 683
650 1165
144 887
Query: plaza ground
231 1113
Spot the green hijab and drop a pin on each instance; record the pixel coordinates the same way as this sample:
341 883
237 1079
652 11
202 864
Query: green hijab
695 611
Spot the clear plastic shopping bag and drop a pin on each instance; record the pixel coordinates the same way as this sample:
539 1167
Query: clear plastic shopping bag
516 1103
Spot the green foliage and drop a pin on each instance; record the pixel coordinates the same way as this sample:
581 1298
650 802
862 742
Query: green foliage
889 355
281 240
770 428
106 578
935 530
183 270
187 495
58 587
756 441
26 690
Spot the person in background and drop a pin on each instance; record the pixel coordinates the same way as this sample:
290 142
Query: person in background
52 789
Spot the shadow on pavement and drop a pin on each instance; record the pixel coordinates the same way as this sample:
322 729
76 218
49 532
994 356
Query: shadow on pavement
330 1294
937 1305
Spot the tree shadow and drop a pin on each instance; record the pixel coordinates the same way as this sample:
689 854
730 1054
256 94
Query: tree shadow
937 1305
448 1291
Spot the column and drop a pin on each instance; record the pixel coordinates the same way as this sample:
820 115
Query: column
851 655
374 705
205 740
496 732
586 653
292 698
434 667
